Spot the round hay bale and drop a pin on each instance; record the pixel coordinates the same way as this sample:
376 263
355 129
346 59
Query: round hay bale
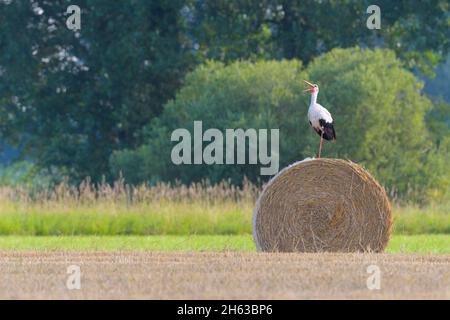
318 205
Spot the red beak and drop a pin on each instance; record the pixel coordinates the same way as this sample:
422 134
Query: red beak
311 87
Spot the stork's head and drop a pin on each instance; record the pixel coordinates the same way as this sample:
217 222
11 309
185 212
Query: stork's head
313 88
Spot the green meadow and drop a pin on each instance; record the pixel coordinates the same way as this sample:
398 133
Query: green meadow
165 218
174 218
423 244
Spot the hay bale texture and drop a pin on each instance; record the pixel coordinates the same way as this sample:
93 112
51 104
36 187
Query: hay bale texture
322 205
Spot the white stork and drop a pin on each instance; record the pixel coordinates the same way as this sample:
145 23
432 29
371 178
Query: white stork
319 117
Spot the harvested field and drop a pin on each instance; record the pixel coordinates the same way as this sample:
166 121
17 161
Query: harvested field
226 275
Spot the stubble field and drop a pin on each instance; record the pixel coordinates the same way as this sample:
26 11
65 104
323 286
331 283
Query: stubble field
225 275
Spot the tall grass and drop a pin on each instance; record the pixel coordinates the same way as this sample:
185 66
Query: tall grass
104 209
413 219
121 209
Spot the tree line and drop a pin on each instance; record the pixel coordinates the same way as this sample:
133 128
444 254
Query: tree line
73 101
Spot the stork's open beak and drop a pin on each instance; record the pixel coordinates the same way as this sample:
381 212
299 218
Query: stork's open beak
311 86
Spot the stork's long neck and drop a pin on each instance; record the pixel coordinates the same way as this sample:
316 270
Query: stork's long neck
313 99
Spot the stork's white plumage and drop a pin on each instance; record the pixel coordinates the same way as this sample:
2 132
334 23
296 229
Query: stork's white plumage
319 117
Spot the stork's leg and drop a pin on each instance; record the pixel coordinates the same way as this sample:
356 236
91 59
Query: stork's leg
320 146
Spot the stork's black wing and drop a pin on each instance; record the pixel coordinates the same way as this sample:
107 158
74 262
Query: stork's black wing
328 130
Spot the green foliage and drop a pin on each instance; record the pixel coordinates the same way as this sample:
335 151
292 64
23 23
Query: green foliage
438 86
242 95
408 29
438 121
69 99
378 108
24 173
303 29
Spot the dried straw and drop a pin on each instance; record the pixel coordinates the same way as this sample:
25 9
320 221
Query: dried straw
322 205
